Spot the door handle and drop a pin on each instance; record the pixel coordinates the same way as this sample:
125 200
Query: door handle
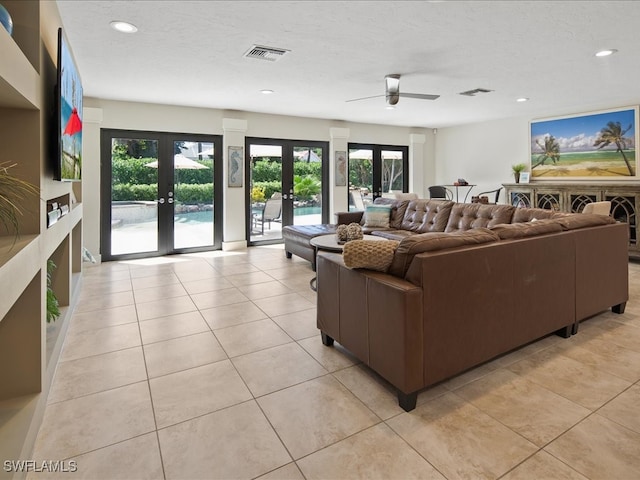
161 200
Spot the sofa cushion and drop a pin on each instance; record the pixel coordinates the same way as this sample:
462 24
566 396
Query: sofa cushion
465 216
573 221
303 233
526 229
424 216
406 196
528 214
369 254
392 234
410 246
398 209
377 216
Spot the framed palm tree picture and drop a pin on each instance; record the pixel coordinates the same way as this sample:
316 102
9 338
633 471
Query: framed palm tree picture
597 145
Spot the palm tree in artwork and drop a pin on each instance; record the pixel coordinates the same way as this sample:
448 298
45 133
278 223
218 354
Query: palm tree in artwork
613 133
550 151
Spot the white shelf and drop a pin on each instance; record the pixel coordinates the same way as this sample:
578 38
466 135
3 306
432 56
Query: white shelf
17 423
19 81
28 357
19 263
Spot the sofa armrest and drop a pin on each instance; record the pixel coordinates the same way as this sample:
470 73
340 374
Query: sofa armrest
376 316
345 218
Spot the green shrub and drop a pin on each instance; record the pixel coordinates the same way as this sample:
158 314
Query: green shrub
265 171
134 171
194 194
184 193
304 188
269 187
128 192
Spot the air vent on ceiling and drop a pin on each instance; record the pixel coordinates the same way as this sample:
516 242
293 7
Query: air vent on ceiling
475 91
265 53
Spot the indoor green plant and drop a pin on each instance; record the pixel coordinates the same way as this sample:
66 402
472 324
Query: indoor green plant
517 169
53 307
13 192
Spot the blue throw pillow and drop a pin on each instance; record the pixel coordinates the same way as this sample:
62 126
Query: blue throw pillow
377 216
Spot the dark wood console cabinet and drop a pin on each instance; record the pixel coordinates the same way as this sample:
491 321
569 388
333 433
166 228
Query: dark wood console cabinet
573 196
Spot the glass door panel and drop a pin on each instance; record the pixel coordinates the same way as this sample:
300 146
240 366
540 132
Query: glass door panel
376 171
134 193
307 185
392 173
286 182
360 178
265 182
158 191
192 195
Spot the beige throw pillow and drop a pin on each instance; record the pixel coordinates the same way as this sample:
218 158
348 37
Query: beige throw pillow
370 254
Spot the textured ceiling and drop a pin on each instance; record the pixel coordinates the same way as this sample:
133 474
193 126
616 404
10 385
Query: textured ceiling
191 53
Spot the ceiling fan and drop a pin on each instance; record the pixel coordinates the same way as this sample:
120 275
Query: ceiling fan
393 94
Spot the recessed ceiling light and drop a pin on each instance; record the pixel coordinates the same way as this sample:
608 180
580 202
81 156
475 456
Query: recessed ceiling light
124 27
522 99
266 91
606 53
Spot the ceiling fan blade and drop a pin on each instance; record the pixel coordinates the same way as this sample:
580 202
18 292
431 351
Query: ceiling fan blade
364 98
422 96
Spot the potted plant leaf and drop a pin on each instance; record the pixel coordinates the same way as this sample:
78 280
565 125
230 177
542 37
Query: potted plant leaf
13 193
53 307
517 169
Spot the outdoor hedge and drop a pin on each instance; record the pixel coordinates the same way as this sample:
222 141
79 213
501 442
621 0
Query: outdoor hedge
184 193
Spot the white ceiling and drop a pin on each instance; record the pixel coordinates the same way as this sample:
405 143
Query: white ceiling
191 53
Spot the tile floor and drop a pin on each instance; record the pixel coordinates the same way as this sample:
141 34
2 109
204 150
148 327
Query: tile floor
210 366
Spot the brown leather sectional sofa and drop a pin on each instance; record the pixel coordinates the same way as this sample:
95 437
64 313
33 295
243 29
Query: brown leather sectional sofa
469 282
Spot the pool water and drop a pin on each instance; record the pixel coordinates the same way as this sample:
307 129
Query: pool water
307 211
207 216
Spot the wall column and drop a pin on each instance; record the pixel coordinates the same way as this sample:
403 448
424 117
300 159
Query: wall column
338 195
92 120
416 164
234 230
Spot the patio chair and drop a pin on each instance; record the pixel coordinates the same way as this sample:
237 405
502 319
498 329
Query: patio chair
270 213
356 200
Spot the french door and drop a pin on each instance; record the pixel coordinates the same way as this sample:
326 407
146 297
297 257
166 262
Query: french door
376 171
159 193
287 181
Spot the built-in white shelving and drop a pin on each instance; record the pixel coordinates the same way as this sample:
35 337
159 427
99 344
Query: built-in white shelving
29 347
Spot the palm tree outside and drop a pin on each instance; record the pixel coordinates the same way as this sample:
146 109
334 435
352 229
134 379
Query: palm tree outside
613 133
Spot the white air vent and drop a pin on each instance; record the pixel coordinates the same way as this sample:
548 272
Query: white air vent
265 53
474 92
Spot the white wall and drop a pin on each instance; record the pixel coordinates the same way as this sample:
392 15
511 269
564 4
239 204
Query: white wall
481 153
165 118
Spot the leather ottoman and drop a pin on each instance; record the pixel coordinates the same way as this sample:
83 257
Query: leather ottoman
297 238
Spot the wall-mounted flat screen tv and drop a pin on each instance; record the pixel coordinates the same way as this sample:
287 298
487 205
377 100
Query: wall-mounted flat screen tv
68 164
